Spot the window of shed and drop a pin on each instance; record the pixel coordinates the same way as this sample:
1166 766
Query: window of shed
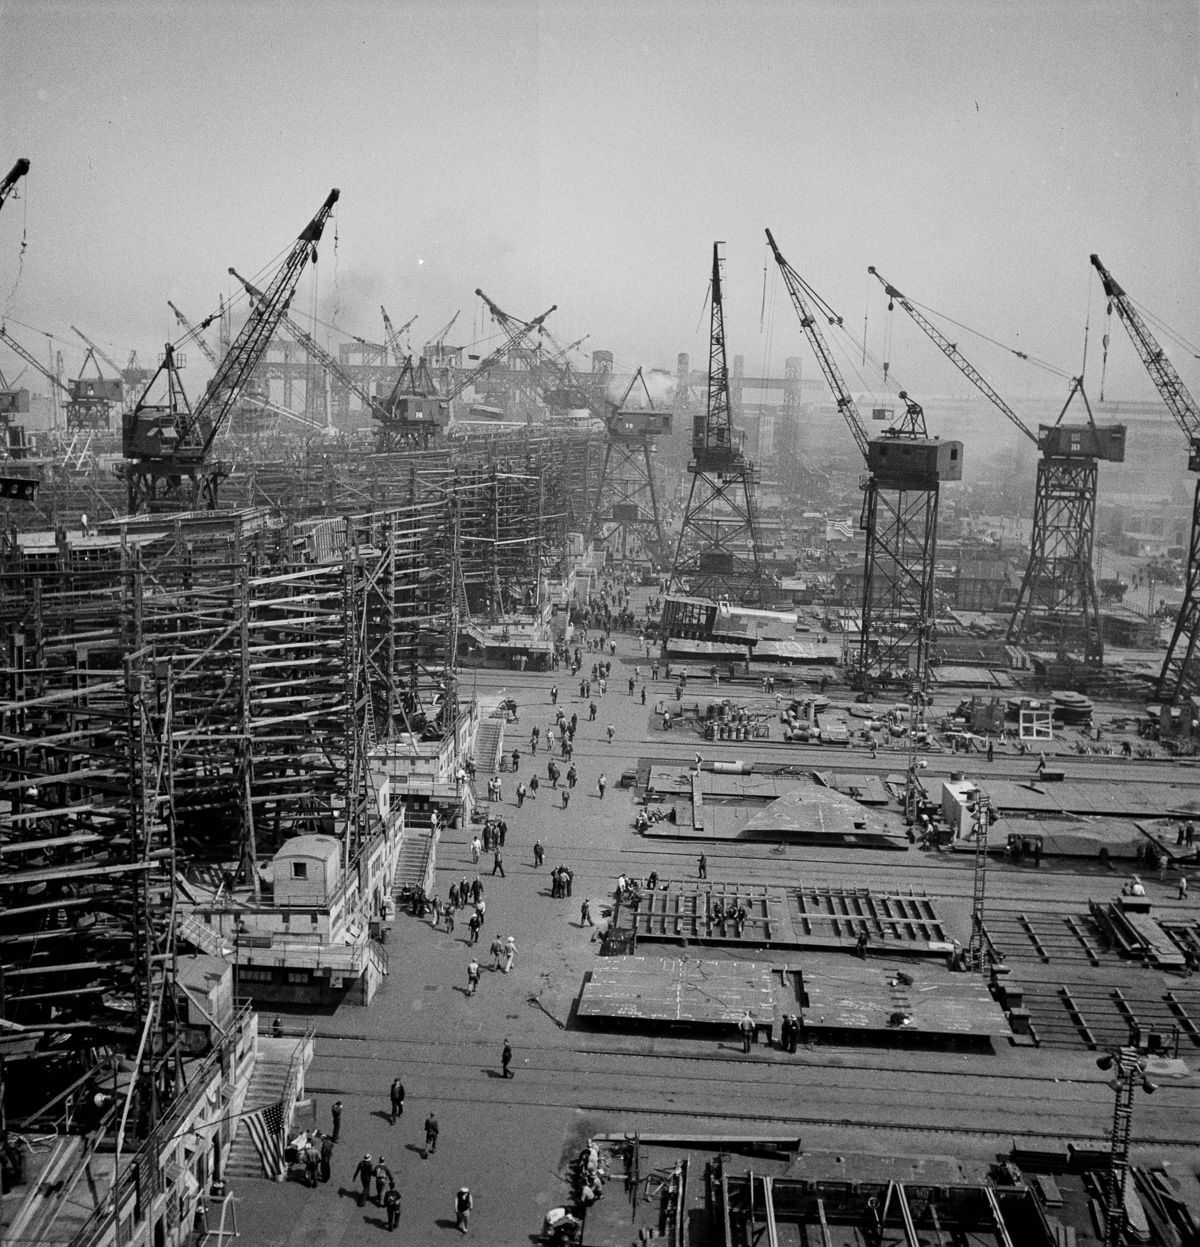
299 870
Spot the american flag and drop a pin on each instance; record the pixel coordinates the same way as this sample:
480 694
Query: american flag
266 1133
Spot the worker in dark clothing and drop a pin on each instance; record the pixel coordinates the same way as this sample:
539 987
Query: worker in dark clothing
363 1171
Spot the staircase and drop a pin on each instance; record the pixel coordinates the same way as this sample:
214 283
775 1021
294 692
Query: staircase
203 938
267 1082
414 862
489 744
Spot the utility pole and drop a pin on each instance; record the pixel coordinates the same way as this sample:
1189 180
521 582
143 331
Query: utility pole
981 808
1129 1062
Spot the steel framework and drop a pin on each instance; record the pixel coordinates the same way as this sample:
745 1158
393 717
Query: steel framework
626 508
1057 599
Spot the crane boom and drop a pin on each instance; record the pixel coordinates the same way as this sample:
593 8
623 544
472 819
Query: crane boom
1162 372
108 359
845 404
33 361
11 178
193 332
198 432
955 356
313 347
392 335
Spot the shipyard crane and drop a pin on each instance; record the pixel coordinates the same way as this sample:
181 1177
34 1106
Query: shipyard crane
1180 674
905 469
408 413
392 335
1057 599
520 383
88 400
718 552
440 337
168 444
33 361
100 354
9 185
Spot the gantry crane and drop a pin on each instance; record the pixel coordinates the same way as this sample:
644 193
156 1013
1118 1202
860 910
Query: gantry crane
627 482
168 444
11 178
1180 674
905 470
718 553
1057 600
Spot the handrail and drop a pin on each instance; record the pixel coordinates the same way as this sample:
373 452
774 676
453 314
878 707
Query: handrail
295 1072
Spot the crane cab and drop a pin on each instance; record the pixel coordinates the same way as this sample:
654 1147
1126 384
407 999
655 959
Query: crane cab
149 433
1083 441
96 390
914 462
633 425
419 411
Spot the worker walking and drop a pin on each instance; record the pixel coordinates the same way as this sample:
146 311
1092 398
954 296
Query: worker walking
702 867
463 1203
506 1056
362 1172
601 784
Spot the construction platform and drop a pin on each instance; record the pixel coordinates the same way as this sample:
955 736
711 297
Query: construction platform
680 992
840 999
782 918
845 998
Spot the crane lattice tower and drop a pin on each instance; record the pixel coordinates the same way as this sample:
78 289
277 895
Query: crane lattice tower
717 553
1057 600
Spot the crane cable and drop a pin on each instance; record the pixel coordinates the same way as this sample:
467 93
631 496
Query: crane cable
1012 350
24 244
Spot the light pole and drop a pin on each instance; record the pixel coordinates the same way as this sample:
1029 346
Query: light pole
1129 1064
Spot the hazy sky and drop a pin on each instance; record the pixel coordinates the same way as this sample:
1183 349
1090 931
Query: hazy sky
588 154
